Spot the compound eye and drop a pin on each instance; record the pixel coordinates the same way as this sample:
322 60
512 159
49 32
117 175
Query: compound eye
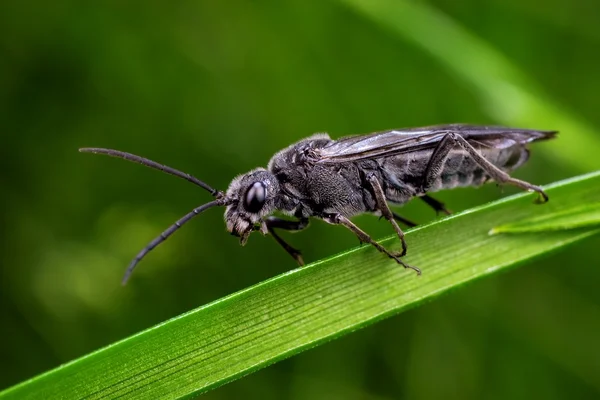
255 197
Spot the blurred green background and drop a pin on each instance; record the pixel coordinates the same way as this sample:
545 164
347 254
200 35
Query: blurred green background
214 89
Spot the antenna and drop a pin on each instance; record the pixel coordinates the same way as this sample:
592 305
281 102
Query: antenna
168 232
221 200
152 164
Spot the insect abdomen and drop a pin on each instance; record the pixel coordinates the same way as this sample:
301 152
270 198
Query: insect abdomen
461 170
405 174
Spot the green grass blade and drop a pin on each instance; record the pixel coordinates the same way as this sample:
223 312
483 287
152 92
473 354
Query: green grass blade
303 308
583 216
507 94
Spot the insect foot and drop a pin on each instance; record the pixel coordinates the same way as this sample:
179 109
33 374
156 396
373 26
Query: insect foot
396 256
542 196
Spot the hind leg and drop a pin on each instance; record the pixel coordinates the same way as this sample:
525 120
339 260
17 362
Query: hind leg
452 141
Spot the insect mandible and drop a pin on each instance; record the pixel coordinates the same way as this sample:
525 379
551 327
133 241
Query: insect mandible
335 180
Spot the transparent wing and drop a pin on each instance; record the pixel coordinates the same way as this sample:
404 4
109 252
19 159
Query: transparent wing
398 141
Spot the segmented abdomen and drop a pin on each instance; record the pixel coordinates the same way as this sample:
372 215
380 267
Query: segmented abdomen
405 173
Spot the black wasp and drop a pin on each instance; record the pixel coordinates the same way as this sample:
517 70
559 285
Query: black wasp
336 179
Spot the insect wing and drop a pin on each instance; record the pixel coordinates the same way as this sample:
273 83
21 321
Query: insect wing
376 145
398 141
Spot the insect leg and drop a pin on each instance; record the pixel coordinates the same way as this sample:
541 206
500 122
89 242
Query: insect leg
451 141
274 222
339 219
381 204
437 205
405 221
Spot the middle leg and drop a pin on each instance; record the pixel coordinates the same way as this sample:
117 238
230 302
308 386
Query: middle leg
405 221
435 204
364 237
382 206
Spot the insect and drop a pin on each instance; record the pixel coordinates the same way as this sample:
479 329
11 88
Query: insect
336 179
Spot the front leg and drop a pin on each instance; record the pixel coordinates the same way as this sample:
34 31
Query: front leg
273 222
339 219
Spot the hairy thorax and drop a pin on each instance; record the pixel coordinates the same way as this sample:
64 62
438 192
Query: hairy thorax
321 189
